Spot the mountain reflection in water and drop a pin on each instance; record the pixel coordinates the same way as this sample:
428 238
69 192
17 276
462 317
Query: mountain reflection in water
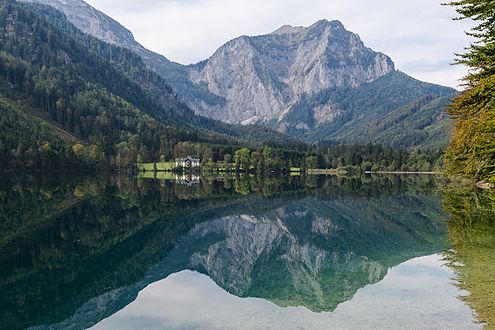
75 252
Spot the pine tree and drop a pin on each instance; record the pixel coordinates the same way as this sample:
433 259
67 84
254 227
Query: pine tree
472 150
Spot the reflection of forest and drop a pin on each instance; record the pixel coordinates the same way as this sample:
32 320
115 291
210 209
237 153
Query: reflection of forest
472 232
64 243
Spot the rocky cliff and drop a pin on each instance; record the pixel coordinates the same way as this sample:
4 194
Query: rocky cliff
262 76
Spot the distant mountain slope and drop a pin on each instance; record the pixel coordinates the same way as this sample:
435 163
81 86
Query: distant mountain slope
95 23
313 82
394 110
322 83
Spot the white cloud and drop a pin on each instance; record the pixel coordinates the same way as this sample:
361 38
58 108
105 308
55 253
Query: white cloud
419 35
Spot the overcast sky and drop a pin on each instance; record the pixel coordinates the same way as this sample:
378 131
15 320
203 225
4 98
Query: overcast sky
419 35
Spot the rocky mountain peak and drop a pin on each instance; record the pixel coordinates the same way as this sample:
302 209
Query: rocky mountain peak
260 77
324 23
321 25
92 21
288 29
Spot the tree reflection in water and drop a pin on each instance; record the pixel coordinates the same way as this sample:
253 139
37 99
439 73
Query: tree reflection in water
472 233
291 240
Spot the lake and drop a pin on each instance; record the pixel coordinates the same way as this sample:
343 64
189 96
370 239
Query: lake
190 252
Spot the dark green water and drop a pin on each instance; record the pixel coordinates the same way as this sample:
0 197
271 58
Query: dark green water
122 253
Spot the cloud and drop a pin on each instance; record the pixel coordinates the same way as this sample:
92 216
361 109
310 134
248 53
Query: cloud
418 34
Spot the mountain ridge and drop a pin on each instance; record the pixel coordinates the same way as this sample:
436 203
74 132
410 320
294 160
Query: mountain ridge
269 79
261 76
103 27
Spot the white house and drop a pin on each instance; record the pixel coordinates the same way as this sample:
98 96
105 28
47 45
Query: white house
187 162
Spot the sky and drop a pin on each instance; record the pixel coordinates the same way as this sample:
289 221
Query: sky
419 35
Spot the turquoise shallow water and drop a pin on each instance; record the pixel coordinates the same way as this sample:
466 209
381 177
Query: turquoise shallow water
273 253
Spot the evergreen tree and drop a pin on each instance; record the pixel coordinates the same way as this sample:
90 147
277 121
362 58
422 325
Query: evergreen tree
472 150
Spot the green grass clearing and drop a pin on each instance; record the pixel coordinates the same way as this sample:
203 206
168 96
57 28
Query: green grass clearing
160 166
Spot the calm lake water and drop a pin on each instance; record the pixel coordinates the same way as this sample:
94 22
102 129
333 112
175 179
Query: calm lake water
220 253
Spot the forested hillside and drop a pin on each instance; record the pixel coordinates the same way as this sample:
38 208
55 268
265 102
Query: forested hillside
70 98
394 110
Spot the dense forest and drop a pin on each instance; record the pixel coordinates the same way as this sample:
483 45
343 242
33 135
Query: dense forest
472 151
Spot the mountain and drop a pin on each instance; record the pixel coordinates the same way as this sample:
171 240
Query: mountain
262 76
322 83
317 83
69 98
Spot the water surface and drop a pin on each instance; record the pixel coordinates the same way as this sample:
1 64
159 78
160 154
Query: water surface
414 295
315 252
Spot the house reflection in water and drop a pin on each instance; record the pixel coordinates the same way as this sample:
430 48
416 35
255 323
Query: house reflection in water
187 179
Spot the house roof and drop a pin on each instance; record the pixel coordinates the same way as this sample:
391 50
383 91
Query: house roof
187 158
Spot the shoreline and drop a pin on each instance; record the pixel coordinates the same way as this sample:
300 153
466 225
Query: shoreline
404 172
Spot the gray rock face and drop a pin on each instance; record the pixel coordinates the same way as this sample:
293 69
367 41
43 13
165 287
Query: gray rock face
261 77
93 22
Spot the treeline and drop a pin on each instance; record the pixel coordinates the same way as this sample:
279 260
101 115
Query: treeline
351 158
379 158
